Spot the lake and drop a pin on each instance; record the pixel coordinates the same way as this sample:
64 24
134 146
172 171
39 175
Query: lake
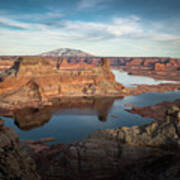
129 80
73 119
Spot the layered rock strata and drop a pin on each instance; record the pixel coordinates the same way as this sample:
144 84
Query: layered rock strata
151 63
33 81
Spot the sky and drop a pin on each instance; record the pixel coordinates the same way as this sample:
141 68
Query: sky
100 27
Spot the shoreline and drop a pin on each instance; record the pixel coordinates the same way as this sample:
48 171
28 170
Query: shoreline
140 89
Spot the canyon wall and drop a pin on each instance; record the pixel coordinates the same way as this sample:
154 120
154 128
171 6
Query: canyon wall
33 80
152 63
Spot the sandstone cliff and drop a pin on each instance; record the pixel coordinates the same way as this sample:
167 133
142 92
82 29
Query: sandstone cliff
115 62
63 64
35 81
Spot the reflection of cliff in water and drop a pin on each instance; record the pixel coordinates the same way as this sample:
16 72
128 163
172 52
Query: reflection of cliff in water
30 118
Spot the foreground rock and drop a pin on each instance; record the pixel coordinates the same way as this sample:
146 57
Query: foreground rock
145 152
141 152
15 162
33 81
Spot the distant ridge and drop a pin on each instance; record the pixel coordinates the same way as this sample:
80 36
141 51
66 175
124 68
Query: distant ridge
66 52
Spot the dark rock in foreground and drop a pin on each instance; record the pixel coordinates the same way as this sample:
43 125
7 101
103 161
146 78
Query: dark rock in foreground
145 152
15 163
137 153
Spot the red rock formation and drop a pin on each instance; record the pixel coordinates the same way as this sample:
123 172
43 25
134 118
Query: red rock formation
88 62
6 64
34 80
159 67
149 62
173 63
64 65
135 62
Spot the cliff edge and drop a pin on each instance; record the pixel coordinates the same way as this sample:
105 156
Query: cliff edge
33 81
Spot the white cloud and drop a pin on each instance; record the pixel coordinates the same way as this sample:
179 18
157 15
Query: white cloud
18 19
43 16
165 37
118 28
126 36
13 23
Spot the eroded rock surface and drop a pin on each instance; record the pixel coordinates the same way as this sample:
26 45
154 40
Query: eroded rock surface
33 81
144 152
15 162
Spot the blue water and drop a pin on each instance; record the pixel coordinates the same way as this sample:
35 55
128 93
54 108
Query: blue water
72 124
129 80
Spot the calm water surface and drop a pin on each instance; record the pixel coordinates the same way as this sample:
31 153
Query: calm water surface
129 80
77 121
74 119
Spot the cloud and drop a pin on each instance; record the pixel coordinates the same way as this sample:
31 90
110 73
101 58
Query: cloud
166 37
44 16
117 28
124 35
13 23
22 20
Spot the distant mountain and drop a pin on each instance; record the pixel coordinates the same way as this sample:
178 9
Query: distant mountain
66 52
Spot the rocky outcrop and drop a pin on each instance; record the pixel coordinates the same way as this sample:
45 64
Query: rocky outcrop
15 162
135 62
5 64
63 64
140 152
159 67
149 151
115 62
38 82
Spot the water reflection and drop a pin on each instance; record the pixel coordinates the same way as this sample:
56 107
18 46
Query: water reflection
30 118
74 119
